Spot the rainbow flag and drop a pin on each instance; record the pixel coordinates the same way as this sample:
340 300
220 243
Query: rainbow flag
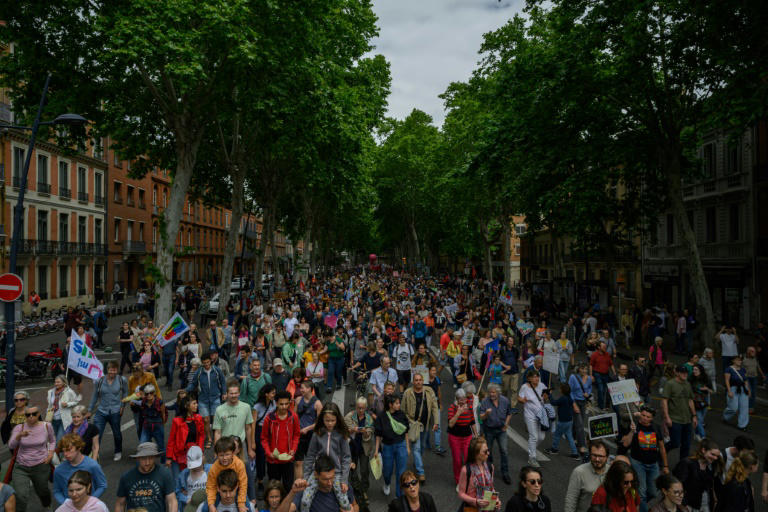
172 330
505 297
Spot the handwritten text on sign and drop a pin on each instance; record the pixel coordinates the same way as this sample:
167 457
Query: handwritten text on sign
623 392
603 425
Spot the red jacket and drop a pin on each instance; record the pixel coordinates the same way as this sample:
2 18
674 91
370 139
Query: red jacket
281 434
177 439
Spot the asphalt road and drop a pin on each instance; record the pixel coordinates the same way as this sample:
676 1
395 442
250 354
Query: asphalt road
556 469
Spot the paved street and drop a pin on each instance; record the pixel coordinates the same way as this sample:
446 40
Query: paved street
438 469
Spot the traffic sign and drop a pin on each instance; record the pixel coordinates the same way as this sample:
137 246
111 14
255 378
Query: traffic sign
10 287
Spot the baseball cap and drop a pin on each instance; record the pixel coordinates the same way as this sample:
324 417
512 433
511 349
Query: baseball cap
681 369
277 362
194 457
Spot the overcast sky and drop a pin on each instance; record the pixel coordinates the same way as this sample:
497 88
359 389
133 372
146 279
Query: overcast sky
431 43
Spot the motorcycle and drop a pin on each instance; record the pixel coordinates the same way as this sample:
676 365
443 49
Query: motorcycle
40 361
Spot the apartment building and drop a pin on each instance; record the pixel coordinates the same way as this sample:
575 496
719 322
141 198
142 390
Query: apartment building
62 251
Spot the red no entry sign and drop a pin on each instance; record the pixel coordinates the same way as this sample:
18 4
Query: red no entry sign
10 287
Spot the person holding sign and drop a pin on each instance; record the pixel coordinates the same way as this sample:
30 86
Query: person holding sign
646 453
475 487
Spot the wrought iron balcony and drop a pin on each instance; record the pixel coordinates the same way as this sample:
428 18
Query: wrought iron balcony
134 247
65 192
82 196
43 188
17 181
99 200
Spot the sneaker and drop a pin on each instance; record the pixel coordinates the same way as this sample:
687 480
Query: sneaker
117 456
575 456
440 451
550 451
534 463
385 489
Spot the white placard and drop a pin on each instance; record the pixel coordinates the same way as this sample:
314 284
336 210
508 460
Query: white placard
623 392
551 361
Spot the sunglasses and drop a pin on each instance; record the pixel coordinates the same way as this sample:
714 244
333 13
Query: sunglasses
628 482
535 481
411 483
30 414
19 399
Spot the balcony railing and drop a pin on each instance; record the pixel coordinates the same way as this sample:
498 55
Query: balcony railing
134 247
67 248
61 248
99 200
43 188
724 250
82 196
17 181
81 291
63 293
46 247
65 192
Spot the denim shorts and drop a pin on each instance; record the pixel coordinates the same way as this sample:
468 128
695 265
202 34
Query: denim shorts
208 408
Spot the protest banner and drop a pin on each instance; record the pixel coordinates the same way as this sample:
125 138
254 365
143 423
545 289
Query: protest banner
331 321
603 425
505 297
551 361
81 358
623 392
172 330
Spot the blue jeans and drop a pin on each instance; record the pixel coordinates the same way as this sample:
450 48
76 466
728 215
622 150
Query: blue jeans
335 368
646 481
157 435
418 451
499 436
700 415
101 419
752 381
394 455
58 429
738 405
168 366
601 381
680 436
564 428
562 371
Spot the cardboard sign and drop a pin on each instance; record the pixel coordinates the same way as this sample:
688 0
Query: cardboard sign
623 392
551 361
603 425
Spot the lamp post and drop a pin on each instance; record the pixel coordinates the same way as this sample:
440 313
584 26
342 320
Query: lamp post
18 212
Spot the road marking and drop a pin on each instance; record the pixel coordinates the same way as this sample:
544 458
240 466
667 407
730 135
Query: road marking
522 442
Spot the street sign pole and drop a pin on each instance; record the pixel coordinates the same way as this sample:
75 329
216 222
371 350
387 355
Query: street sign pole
10 316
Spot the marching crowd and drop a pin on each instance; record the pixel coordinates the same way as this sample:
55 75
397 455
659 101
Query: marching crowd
255 426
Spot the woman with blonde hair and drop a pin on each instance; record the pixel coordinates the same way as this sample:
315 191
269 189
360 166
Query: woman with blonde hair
86 430
737 494
61 400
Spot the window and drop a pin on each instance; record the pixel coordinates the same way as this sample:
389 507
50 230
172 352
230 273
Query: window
226 219
141 199
82 276
82 232
670 229
154 195
129 195
711 222
18 166
42 225
709 160
734 223
82 183
98 149
63 280
117 230
116 159
189 238
732 158
154 236
63 227
520 229
42 170
517 249
118 192
42 281
165 198
98 235
129 231
64 179
98 188
141 232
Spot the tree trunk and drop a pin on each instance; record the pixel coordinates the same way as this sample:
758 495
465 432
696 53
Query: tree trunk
262 248
238 182
416 248
275 263
705 313
186 155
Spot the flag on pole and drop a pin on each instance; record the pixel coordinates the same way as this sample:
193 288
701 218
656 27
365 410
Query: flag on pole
81 358
506 295
175 327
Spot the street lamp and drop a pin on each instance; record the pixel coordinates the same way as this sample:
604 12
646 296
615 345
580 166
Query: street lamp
18 212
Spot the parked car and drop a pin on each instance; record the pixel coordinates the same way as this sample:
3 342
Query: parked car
211 307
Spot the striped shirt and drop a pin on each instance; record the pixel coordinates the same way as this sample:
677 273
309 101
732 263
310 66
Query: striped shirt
463 426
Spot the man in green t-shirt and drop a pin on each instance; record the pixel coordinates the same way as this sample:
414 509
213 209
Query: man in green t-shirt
679 412
336 350
234 418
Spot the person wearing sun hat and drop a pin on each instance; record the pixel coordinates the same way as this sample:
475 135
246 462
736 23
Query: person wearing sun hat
149 485
190 484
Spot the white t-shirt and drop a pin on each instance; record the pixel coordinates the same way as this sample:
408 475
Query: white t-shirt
532 404
402 355
194 484
290 324
730 347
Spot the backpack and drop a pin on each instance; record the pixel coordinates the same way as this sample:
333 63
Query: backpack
100 382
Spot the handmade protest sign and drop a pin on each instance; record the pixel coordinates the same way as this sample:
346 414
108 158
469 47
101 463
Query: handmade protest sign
603 425
623 392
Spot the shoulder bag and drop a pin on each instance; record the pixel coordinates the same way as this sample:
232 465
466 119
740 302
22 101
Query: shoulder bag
416 427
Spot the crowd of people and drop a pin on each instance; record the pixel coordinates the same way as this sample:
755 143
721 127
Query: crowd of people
255 425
